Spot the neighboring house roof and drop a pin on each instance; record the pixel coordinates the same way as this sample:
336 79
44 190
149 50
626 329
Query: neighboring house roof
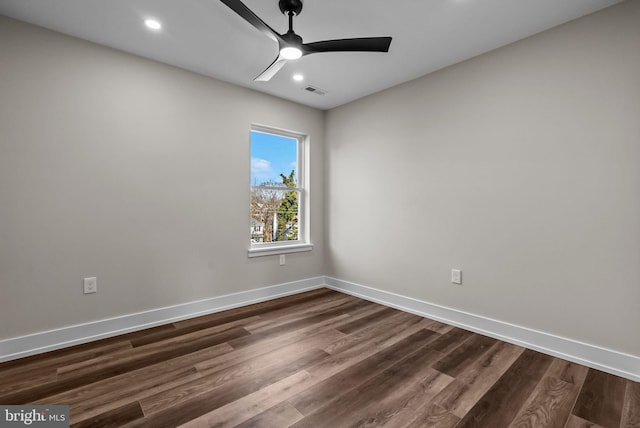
255 222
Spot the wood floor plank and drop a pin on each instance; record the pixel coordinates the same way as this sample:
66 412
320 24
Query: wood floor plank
316 337
45 370
91 408
89 401
136 384
601 399
464 355
273 319
438 326
162 336
19 381
576 422
408 403
296 325
282 415
113 418
59 358
115 368
497 360
631 407
354 375
413 326
207 401
397 390
366 321
568 371
499 406
153 352
473 382
381 396
451 340
434 416
378 332
364 349
352 316
75 350
549 406
246 369
251 405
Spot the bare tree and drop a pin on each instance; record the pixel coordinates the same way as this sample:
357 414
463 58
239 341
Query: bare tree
265 201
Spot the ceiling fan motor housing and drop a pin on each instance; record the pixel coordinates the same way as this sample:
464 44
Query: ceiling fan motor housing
287 6
292 38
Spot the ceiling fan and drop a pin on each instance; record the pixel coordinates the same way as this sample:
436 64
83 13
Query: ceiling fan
290 44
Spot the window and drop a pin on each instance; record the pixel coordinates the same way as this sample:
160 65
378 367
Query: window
277 209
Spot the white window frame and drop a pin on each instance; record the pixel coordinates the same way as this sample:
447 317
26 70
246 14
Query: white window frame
303 242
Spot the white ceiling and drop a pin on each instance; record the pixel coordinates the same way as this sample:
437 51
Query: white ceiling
205 36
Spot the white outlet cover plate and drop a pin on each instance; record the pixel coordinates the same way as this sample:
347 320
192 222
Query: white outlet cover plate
456 276
90 285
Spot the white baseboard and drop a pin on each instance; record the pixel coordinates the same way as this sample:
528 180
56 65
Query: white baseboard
607 360
23 346
617 363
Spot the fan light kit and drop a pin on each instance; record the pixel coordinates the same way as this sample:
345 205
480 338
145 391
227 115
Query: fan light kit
152 24
290 44
290 52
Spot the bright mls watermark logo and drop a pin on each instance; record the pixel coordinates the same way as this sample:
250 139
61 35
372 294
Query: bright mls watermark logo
34 416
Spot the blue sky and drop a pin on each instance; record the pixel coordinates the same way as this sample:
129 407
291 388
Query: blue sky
272 155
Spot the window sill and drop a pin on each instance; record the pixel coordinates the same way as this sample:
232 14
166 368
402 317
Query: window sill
279 249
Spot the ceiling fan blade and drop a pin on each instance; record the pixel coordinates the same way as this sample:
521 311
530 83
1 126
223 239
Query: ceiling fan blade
271 71
362 44
238 7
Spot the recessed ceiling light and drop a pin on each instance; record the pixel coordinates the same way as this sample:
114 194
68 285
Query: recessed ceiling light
153 24
298 77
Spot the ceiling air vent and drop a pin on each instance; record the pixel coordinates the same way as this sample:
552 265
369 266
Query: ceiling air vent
315 90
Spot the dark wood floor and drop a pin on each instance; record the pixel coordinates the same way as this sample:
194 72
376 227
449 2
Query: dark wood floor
318 359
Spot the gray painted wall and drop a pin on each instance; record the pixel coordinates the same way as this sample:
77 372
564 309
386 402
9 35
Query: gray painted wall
132 171
520 167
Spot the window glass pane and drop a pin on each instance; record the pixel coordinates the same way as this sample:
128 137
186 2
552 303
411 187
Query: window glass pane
274 160
275 188
274 215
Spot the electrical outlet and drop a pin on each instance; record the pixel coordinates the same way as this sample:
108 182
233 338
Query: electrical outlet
456 276
283 259
90 285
